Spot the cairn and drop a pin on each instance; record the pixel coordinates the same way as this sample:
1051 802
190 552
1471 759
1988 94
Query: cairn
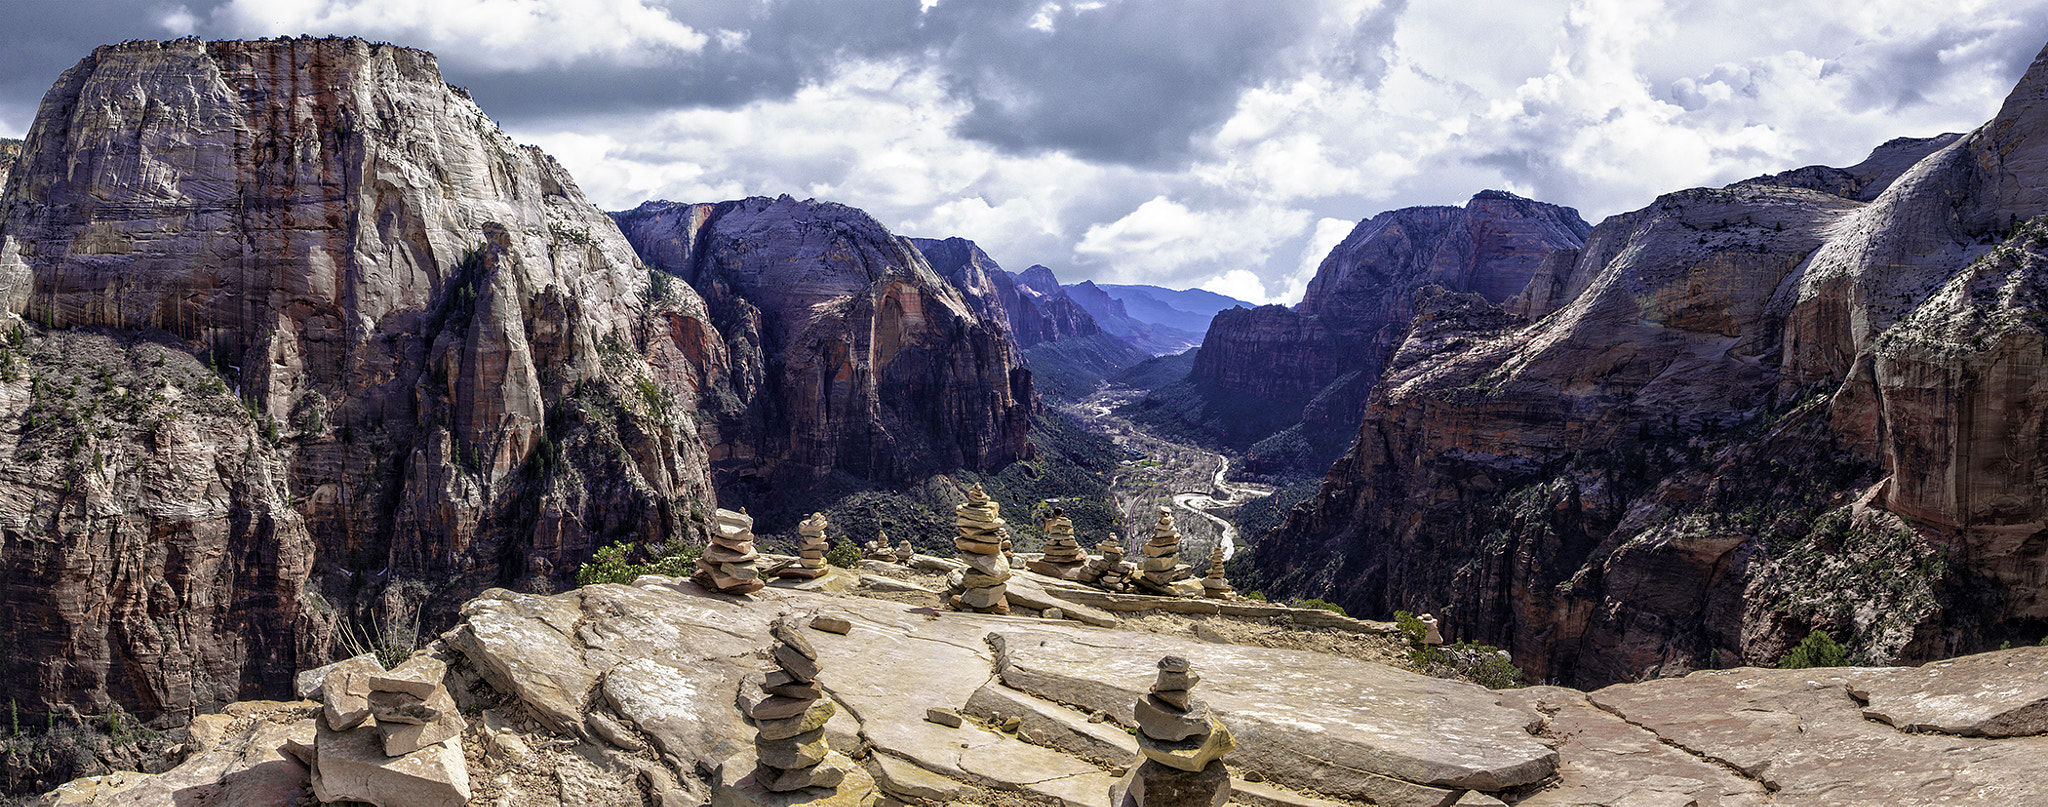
791 720
1063 556
1214 586
810 550
878 549
1183 746
1162 565
1432 630
1110 571
727 566
904 551
981 586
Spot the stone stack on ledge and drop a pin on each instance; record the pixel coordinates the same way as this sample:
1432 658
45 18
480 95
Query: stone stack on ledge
790 749
1214 586
980 587
389 737
1161 566
1110 572
728 564
1182 743
810 550
1063 556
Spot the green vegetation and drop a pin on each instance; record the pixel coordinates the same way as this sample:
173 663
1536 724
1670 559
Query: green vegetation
1482 664
1315 603
1818 649
614 564
1070 369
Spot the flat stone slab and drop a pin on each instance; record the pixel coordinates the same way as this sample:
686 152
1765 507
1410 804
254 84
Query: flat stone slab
1801 733
2002 694
1602 760
1307 720
1046 723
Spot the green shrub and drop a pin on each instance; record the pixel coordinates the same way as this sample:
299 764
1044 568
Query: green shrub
1324 605
609 565
1818 649
843 554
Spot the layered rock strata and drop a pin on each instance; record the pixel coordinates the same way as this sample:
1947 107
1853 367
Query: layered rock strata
1298 378
1062 556
842 352
1182 745
1161 566
810 550
730 564
1740 415
980 586
425 366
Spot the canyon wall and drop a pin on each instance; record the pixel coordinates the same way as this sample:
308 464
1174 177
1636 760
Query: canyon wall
1289 385
847 356
1802 401
299 341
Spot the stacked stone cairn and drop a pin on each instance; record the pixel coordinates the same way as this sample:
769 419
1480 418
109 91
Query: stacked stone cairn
904 551
878 549
982 585
1183 746
727 566
1162 566
810 550
1063 557
1214 586
1109 572
389 737
791 745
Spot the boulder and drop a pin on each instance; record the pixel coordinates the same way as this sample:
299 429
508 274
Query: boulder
351 765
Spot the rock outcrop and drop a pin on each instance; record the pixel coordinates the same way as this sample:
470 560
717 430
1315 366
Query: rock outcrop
1069 355
303 339
844 352
1298 378
1740 414
621 695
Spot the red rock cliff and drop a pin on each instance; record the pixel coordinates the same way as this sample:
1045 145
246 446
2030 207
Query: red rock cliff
368 352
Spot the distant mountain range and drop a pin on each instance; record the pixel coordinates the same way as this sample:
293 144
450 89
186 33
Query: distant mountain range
1157 319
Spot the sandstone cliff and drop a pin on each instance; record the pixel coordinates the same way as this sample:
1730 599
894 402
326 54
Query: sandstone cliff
302 341
1068 354
1801 401
1298 378
845 352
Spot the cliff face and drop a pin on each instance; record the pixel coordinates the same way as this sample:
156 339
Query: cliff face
847 352
1032 315
1744 413
1068 355
425 366
1307 370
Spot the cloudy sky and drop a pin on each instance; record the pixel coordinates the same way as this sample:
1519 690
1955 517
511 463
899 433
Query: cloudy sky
1208 143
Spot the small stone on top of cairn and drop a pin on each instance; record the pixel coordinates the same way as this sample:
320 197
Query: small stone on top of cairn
1162 566
1183 746
727 565
982 586
1214 586
791 720
1063 556
810 550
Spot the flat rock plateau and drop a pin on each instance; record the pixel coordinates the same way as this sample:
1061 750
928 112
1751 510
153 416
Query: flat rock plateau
635 694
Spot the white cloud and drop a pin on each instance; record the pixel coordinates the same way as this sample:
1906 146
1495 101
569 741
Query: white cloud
1596 104
502 34
179 21
1166 240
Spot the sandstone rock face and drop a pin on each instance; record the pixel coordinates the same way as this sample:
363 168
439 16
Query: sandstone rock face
1804 401
1309 368
846 352
1068 354
452 372
1047 704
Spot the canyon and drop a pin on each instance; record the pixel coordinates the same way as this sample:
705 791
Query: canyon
302 358
1804 401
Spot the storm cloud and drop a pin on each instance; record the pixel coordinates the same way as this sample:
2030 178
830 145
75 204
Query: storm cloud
1182 142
